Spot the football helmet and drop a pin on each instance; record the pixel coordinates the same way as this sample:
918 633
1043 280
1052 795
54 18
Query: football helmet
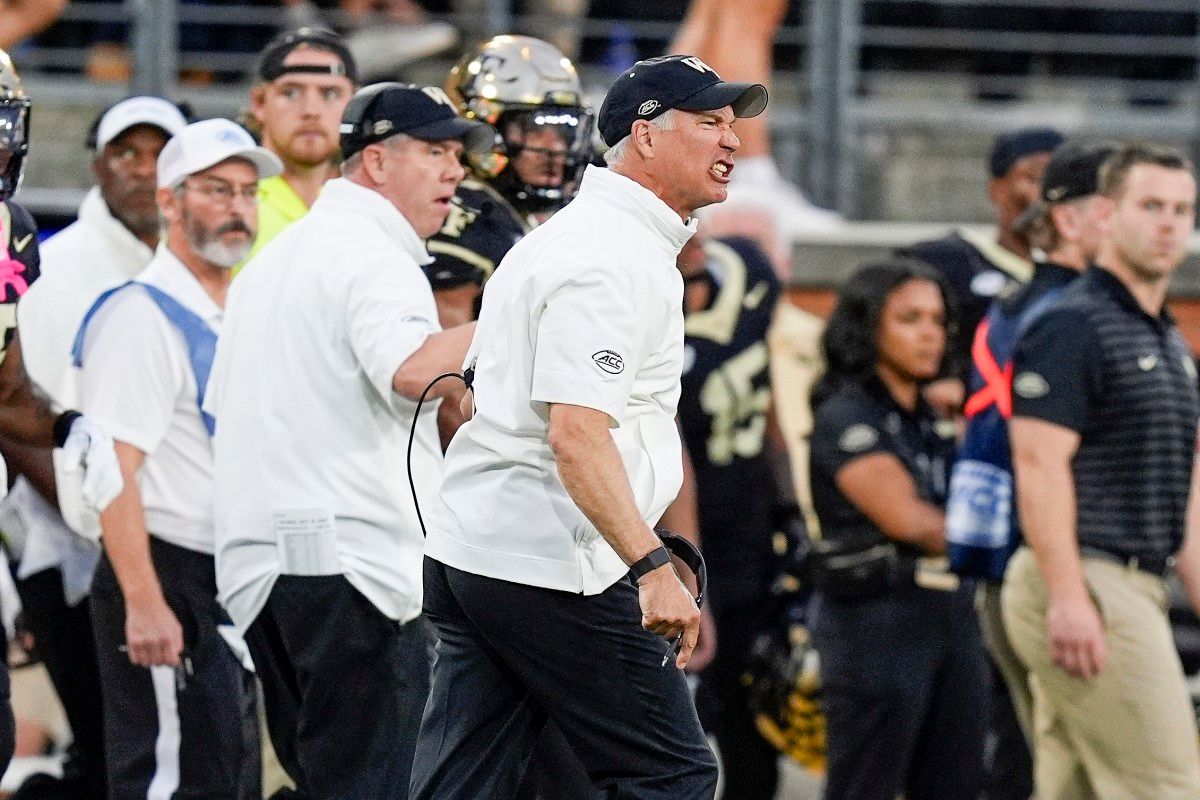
530 93
14 127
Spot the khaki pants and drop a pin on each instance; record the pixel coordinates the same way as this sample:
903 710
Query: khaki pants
1129 734
995 636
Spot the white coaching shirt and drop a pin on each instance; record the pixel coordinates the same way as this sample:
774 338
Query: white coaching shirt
585 310
311 438
137 381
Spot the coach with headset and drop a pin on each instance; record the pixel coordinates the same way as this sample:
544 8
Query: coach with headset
549 590
330 335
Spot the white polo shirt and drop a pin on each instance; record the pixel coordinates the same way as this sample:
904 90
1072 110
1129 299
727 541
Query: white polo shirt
311 439
137 381
586 310
79 263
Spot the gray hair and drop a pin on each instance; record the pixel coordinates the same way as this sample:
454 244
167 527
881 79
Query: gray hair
616 154
354 162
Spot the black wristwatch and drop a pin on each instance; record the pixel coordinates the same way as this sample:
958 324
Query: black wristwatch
649 562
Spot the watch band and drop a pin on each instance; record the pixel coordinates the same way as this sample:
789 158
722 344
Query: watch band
651 561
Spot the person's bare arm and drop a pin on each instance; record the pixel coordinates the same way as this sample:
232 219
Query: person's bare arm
775 448
440 353
882 489
35 463
1042 453
1187 563
152 633
594 476
682 517
20 19
26 415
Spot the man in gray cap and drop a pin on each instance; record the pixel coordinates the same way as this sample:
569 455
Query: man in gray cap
549 589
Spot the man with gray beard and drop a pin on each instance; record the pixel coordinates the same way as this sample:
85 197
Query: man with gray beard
174 691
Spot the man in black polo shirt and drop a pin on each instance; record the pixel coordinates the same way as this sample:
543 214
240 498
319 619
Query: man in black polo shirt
1103 439
1070 223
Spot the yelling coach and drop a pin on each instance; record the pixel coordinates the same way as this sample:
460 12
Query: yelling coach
549 590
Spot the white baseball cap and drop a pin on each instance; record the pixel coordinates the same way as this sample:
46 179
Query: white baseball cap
203 144
142 110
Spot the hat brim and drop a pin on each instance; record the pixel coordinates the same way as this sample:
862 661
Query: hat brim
267 163
746 99
471 133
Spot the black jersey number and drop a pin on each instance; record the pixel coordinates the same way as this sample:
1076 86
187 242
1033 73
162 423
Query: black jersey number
736 406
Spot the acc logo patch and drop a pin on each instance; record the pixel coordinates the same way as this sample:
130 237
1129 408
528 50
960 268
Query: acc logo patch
858 438
609 361
647 108
1031 386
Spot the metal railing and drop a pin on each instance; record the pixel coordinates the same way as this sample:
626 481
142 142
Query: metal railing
871 70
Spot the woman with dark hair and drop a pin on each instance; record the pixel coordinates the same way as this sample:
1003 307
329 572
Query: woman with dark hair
902 661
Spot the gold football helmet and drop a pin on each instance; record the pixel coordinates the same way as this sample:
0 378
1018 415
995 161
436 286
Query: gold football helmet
530 93
14 127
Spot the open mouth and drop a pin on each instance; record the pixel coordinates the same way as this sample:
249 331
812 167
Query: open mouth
721 170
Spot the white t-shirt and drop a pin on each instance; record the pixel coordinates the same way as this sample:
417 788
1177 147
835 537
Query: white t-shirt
311 439
585 310
137 381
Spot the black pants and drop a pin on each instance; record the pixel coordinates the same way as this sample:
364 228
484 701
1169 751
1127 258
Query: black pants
66 647
905 695
751 763
8 725
1010 768
555 772
167 727
344 687
509 656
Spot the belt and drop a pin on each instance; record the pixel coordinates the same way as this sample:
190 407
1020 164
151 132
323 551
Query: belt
1155 565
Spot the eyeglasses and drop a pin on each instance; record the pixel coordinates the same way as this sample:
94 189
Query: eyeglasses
222 192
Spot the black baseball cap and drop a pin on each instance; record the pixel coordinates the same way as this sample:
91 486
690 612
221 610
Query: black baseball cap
1009 148
270 61
382 110
655 85
1074 170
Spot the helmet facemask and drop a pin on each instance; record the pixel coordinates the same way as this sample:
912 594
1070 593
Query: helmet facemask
540 156
14 143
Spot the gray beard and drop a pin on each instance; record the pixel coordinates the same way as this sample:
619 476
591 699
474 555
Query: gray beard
220 255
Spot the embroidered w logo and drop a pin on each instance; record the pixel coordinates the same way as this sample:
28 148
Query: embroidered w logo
437 95
698 65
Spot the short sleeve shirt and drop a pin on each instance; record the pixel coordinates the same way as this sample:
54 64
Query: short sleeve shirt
311 441
586 310
1124 381
137 381
863 419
